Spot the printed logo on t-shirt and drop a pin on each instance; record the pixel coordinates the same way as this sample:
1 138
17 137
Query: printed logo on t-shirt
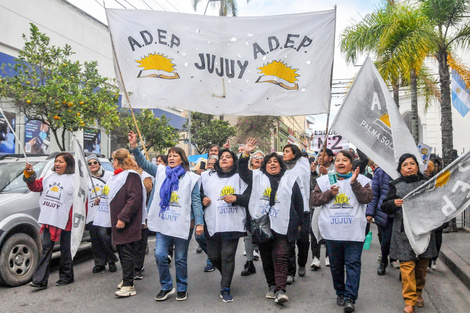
341 202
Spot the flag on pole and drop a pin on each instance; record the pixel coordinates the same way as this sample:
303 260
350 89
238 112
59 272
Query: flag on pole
270 65
370 120
80 197
436 202
460 94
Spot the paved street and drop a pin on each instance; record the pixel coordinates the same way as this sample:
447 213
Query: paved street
312 293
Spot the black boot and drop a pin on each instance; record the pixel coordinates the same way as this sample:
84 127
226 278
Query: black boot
381 269
249 268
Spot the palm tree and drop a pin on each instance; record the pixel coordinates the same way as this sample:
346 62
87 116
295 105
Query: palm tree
399 37
451 29
226 6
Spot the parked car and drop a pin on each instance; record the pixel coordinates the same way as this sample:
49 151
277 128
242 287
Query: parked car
20 241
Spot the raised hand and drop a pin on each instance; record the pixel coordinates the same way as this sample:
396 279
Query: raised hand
355 174
250 145
132 137
227 145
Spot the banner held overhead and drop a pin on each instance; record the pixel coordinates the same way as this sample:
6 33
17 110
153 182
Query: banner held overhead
271 65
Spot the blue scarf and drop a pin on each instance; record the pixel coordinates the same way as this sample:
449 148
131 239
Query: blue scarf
170 184
348 175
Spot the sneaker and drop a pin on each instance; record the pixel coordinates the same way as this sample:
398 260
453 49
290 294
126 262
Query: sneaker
125 291
163 294
349 306
98 269
138 275
209 268
396 264
315 264
255 255
244 252
433 265
225 295
290 280
270 294
379 258
38 286
198 249
119 286
249 268
281 297
302 271
327 261
181 295
112 267
340 300
61 282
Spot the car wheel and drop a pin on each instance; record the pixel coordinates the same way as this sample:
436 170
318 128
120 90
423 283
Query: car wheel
18 259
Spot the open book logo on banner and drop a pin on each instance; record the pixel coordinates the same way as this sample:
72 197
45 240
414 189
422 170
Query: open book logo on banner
279 73
158 66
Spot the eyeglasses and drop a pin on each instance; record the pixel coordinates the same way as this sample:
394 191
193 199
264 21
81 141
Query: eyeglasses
258 157
92 163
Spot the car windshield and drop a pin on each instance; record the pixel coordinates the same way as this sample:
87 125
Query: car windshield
11 176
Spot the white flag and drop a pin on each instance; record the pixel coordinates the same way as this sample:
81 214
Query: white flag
370 120
271 65
436 202
80 197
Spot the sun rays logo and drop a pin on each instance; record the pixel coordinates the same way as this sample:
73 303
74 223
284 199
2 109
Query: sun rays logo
442 179
227 190
95 193
158 66
174 199
54 191
384 123
279 73
106 190
341 202
267 195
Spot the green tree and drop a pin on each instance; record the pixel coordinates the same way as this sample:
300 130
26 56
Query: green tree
225 6
49 87
400 37
263 128
205 131
156 132
449 19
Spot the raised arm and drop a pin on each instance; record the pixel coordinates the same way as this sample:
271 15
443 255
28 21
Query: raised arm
145 164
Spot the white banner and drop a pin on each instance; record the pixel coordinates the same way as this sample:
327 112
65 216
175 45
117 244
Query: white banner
334 142
370 120
425 152
80 197
270 65
436 202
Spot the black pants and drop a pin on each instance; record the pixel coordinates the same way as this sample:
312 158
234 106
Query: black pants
303 243
222 252
386 240
101 246
140 248
274 256
127 257
438 234
41 274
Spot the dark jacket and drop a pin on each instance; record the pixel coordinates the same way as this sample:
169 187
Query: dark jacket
296 219
400 248
127 207
380 184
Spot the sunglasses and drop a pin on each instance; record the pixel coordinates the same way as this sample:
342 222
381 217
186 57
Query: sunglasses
258 157
92 163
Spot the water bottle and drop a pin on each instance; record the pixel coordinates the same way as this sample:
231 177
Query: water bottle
332 177
368 241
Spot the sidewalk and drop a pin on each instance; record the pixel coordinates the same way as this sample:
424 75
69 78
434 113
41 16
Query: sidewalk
455 253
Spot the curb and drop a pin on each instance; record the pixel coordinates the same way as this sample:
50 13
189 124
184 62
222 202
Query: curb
456 264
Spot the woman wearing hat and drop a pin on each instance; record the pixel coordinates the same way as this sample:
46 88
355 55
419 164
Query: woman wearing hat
100 236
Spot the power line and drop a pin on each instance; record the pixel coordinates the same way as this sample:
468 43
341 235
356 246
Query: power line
159 5
130 4
147 4
121 4
173 6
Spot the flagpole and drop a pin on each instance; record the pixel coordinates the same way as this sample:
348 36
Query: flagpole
127 96
88 169
14 134
331 89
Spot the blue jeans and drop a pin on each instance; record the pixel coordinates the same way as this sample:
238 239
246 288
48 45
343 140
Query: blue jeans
345 254
181 261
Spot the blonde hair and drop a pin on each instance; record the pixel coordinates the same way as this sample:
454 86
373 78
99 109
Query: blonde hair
124 159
